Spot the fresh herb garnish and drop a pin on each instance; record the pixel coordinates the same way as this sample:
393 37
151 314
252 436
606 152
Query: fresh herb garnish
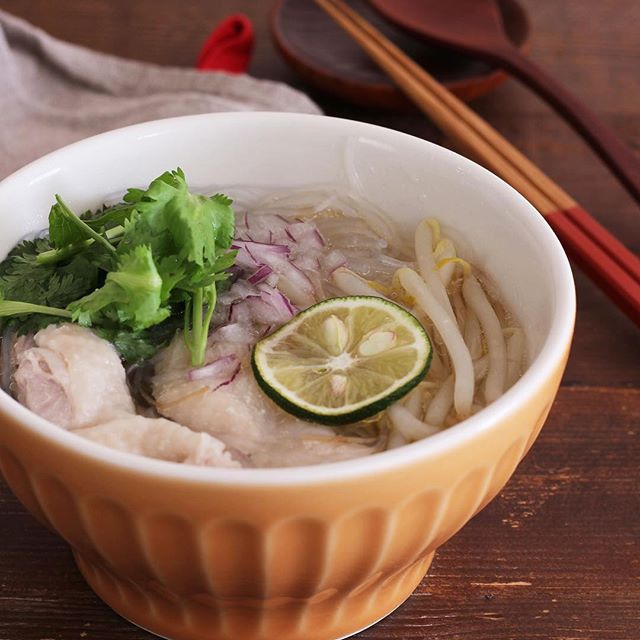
129 296
24 279
136 346
65 228
151 261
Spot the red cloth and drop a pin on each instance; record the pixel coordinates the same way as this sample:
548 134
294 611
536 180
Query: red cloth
229 47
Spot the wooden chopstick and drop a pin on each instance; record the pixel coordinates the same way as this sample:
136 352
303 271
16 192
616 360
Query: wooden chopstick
605 259
556 198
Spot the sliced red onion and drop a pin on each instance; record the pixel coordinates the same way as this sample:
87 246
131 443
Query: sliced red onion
241 289
219 367
240 312
244 259
278 229
266 331
333 260
258 253
234 332
295 284
277 299
260 274
270 308
307 261
258 248
229 380
305 234
301 290
266 227
295 250
261 311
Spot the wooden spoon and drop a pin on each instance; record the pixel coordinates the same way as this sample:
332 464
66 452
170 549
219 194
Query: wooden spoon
475 27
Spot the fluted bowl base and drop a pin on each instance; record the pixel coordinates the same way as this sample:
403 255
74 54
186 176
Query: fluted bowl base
328 615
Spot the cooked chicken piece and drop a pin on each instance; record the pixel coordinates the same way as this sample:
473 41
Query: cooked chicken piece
21 344
162 439
71 377
295 443
229 405
236 412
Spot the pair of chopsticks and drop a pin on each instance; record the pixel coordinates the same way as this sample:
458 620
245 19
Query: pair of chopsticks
611 265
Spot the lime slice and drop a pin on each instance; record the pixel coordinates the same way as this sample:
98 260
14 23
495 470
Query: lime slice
343 359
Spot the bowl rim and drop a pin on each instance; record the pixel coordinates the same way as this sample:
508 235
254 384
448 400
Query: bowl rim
544 366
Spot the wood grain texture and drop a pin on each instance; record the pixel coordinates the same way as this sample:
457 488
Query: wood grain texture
557 555
554 557
301 30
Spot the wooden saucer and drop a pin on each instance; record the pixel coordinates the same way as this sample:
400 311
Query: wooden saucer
322 53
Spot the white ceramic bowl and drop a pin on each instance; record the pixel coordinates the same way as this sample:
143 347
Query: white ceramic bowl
304 553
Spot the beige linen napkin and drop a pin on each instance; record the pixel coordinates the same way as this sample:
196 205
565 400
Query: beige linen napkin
53 93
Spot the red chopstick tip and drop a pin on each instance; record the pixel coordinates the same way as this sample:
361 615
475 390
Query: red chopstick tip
602 237
598 263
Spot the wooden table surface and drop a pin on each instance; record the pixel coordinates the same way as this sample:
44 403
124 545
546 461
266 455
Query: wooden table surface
557 555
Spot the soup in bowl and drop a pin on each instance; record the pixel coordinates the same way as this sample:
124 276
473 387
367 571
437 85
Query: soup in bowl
382 348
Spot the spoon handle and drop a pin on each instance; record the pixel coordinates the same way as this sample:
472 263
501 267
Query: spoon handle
612 150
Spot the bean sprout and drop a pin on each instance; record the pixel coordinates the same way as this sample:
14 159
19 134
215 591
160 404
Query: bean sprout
475 297
409 427
438 368
413 402
515 353
460 310
427 265
352 284
441 404
473 335
445 249
450 334
396 439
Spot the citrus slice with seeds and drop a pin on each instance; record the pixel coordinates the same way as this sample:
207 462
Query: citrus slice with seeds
343 360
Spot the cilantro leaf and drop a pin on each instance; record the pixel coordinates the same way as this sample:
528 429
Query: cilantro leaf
172 271
174 221
215 272
118 268
200 226
226 220
65 228
23 279
136 346
131 346
14 308
131 294
108 217
189 236
62 230
160 191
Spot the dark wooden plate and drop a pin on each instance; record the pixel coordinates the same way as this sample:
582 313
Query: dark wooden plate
327 58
